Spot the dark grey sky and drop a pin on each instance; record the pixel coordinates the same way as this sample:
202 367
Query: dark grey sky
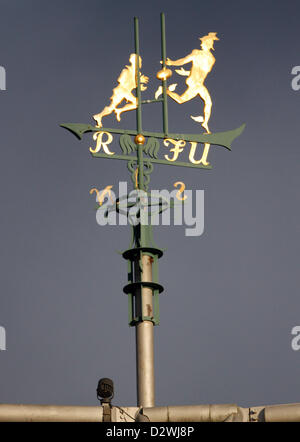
231 295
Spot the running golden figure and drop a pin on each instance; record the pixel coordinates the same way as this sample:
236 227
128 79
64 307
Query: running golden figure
202 63
127 82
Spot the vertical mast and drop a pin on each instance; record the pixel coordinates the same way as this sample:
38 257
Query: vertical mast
143 273
164 81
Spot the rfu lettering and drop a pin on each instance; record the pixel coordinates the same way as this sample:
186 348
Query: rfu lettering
179 147
103 139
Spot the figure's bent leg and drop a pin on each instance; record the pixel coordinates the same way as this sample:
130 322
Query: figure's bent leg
106 111
186 96
130 106
115 99
204 94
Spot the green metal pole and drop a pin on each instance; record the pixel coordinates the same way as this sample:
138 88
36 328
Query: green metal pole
139 104
138 84
143 296
164 83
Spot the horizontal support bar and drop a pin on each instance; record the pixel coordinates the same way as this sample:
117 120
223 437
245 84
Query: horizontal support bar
49 413
223 139
152 160
159 100
179 413
180 163
115 157
188 413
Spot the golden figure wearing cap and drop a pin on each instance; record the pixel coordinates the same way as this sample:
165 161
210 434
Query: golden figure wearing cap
202 62
127 82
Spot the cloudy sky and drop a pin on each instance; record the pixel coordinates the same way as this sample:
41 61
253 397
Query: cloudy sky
232 294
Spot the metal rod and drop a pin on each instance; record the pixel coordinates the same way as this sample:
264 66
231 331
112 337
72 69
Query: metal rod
282 413
137 70
140 167
144 328
145 341
191 413
158 100
164 82
153 160
224 139
49 413
139 104
181 413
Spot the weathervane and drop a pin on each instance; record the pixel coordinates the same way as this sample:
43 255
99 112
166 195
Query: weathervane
141 152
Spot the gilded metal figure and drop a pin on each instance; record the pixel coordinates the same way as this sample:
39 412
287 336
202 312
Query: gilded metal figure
202 63
127 82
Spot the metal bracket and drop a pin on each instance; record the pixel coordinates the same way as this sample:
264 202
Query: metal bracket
106 412
133 287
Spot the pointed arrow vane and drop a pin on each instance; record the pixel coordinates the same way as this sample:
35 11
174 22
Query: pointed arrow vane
224 139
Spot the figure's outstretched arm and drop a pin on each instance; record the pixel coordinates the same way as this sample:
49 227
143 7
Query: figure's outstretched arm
180 61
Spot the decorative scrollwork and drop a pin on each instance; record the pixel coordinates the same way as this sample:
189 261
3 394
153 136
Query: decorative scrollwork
152 147
127 145
148 169
132 166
